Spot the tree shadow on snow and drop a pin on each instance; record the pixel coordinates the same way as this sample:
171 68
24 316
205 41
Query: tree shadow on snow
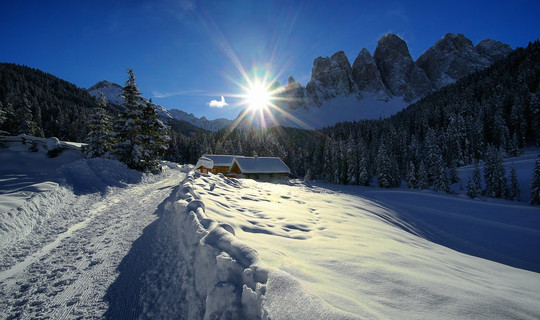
503 232
149 275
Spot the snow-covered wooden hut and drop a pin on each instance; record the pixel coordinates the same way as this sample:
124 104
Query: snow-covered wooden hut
260 168
222 163
204 164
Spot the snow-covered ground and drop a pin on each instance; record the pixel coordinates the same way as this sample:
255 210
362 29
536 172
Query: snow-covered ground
90 238
66 224
350 252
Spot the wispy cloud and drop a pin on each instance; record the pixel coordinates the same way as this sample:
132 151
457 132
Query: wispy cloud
218 104
180 9
157 94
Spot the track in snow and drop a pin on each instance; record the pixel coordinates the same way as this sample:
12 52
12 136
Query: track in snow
69 276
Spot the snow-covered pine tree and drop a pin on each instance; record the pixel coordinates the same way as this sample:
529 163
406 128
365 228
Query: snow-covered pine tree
500 133
412 182
454 176
422 176
328 164
24 121
535 184
127 146
441 181
99 130
387 168
494 174
363 176
352 161
471 192
513 147
477 179
456 139
513 192
3 115
153 138
433 157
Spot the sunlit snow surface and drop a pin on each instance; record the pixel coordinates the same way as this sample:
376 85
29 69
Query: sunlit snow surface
340 255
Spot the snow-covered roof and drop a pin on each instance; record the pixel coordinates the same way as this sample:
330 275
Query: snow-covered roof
221 160
204 162
261 165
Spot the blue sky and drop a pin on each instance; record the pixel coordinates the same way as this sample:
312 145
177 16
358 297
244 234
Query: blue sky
186 53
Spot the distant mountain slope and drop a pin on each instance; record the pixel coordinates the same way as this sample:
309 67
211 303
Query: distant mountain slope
113 91
40 104
211 125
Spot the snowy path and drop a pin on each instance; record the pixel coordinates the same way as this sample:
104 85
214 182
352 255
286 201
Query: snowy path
69 275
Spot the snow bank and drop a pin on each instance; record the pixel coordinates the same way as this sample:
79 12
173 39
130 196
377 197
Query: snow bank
50 144
222 277
24 210
97 174
35 187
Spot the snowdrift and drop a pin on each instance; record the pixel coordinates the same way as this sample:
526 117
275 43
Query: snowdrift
222 277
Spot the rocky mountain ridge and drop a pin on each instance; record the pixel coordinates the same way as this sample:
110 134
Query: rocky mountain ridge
391 72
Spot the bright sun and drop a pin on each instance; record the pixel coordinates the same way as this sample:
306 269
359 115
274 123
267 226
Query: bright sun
258 97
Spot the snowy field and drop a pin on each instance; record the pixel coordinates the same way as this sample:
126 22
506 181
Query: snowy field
92 239
352 252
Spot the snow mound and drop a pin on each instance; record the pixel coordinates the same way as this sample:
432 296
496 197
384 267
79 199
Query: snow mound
26 209
220 276
97 174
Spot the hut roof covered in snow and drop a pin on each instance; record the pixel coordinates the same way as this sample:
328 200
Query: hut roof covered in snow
221 160
204 162
261 165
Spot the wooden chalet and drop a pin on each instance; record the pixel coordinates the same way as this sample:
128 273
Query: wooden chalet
221 163
260 168
204 164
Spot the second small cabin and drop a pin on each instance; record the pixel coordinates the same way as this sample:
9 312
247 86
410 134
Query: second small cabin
260 168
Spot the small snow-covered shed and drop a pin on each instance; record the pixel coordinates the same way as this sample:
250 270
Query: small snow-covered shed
260 168
204 164
222 163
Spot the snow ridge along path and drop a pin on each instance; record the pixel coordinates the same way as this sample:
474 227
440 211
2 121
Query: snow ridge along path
69 276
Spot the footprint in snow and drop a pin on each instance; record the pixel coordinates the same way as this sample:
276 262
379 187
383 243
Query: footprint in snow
71 302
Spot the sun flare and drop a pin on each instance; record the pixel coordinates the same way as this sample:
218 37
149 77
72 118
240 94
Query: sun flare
258 98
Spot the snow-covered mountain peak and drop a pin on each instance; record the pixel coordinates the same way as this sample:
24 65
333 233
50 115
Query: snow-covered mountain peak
493 49
367 76
400 75
454 56
111 91
330 77
392 44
